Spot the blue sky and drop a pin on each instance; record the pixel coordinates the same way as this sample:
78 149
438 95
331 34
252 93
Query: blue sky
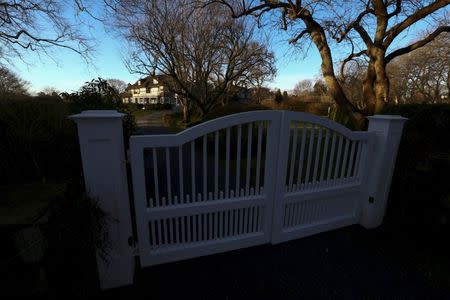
67 71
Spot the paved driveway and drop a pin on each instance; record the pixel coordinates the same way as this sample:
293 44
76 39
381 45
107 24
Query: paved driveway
152 123
336 264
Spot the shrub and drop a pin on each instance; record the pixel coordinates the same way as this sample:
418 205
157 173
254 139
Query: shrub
38 142
158 106
76 231
420 191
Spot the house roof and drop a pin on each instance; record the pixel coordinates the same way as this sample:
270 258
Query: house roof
147 82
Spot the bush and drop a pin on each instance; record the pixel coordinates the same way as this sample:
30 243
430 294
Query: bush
38 142
76 231
420 191
158 106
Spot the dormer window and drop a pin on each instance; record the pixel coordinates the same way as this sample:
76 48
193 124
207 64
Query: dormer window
155 81
139 82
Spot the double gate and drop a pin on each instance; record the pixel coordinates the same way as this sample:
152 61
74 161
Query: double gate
246 179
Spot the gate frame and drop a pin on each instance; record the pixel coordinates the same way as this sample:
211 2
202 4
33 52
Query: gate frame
104 167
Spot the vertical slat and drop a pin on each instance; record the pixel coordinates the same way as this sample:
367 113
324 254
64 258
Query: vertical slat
189 236
310 148
158 222
260 218
205 226
154 241
226 229
297 218
317 158
221 220
344 158
155 175
331 161
238 160
236 221
232 229
183 229
358 159
171 231
195 219
250 221
288 215
325 154
302 155
169 178
216 221
180 172
193 170
205 174
293 214
351 164
249 158
338 157
258 158
216 166
210 225
241 220
246 217
164 228
227 165
293 155
350 160
255 219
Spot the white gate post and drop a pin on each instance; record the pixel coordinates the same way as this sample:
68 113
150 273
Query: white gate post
388 132
104 167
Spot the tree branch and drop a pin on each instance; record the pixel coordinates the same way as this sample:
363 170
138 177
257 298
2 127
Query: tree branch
392 33
349 58
417 44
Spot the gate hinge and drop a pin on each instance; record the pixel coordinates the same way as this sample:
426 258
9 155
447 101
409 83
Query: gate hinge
371 200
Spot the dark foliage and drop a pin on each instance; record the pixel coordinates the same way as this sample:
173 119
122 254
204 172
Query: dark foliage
278 96
76 228
40 143
420 191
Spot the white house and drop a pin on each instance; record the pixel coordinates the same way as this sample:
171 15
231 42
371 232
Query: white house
149 90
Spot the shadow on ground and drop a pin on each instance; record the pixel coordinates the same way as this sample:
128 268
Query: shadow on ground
336 264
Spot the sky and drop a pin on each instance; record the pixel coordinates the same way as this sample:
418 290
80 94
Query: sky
65 70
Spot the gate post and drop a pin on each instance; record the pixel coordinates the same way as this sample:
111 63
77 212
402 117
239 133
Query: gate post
388 132
104 167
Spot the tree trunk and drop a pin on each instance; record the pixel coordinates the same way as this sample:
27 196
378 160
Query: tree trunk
186 114
335 90
376 83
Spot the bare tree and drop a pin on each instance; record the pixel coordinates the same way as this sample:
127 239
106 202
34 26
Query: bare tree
303 87
422 75
117 84
204 52
11 85
40 25
369 28
320 88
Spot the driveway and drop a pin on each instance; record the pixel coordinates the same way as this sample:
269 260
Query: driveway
349 263
152 124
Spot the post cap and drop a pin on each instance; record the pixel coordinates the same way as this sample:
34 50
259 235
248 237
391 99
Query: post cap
97 114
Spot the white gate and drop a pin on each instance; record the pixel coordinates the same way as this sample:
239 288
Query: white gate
207 189
243 180
237 181
320 183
